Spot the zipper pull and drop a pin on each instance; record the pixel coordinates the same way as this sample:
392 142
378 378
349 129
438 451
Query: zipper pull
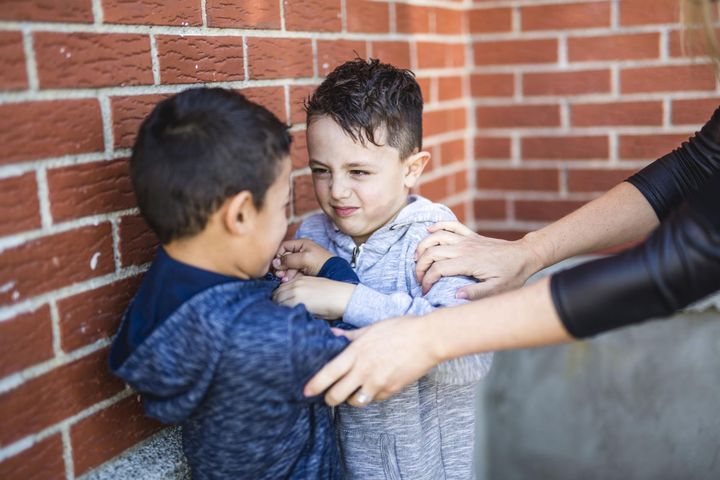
355 255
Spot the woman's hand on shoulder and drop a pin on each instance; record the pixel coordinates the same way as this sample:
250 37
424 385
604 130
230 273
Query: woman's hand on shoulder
454 249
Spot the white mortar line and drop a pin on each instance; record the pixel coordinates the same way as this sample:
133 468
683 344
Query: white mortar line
286 90
98 14
67 453
155 60
117 255
44 198
13 170
246 64
282 14
667 114
203 12
107 119
343 16
30 63
392 17
55 323
614 15
315 59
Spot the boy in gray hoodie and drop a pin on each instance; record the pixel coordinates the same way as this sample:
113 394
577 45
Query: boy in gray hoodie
365 144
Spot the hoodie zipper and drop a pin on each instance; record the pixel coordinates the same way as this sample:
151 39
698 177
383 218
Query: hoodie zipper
356 255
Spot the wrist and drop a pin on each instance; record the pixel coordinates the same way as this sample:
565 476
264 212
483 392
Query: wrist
536 256
434 339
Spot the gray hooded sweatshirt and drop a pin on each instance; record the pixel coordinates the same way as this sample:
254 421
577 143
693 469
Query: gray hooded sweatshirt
426 431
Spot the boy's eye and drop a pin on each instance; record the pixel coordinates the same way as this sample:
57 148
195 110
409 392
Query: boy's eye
359 172
318 170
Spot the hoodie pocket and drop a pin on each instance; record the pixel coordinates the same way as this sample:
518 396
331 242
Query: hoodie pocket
368 457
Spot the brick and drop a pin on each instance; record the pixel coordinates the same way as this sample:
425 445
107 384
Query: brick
596 180
503 234
641 147
667 79
518 116
128 113
90 189
42 461
65 391
449 22
637 12
616 113
152 12
614 47
394 53
508 52
279 58
565 148
492 85
441 121
556 17
292 228
19 204
459 182
74 60
693 112
55 261
12 62
517 179
298 150
272 98
544 211
107 433
436 189
79 11
25 341
489 20
490 209
440 55
449 88
461 211
412 18
191 59
304 200
367 16
137 242
312 15
245 14
298 96
95 314
332 53
60 127
426 88
492 148
453 151
567 83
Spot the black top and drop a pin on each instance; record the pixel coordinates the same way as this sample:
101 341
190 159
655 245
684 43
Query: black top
676 265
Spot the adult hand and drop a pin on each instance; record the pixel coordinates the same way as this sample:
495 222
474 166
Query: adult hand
380 361
323 298
453 249
299 256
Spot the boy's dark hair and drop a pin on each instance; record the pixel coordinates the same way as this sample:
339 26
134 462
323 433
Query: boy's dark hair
363 96
198 148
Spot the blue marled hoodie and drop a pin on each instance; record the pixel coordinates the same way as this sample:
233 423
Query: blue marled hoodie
230 366
426 431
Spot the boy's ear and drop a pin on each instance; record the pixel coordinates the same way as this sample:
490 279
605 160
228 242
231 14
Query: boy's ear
414 166
240 213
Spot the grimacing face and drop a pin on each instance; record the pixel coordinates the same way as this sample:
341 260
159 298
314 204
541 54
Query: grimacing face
360 187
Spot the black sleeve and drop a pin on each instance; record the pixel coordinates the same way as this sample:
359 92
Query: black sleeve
678 264
668 181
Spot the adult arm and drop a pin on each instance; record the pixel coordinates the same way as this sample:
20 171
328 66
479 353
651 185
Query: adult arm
677 265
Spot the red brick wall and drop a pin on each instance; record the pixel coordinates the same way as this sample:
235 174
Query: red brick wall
531 109
571 97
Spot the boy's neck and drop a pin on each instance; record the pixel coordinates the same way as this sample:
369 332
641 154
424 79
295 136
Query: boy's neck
199 253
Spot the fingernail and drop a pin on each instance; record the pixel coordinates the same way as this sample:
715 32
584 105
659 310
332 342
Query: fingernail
461 295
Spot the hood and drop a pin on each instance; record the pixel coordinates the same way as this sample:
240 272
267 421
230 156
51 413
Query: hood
418 210
174 367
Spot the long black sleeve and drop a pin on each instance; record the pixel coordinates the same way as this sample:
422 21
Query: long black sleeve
676 265
668 181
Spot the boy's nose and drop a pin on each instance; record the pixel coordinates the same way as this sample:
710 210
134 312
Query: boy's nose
338 189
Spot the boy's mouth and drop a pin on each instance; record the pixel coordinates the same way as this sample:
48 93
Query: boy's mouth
345 211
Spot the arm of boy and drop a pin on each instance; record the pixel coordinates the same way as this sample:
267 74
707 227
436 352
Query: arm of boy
324 298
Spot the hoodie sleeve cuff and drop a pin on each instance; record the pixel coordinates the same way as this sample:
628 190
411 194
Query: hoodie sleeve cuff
336 268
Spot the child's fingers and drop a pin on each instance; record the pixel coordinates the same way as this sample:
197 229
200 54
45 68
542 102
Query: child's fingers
350 334
294 261
454 227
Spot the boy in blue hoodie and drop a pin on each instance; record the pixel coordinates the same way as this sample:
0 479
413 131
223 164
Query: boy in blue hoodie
365 144
202 340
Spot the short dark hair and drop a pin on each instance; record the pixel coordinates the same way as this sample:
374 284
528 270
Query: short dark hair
362 96
198 148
